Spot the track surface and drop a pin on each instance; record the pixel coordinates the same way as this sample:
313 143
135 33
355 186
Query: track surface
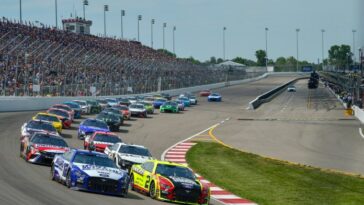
24 183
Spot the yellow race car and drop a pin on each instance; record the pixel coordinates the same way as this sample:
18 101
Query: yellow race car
46 117
168 181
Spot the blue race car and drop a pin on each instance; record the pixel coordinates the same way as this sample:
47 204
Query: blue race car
158 102
89 171
214 97
186 101
89 126
76 107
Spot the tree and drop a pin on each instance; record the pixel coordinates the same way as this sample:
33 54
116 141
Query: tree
281 61
244 61
340 55
261 57
219 60
167 52
212 60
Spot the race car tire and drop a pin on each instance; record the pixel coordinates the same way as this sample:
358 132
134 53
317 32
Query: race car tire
68 180
131 183
152 191
53 178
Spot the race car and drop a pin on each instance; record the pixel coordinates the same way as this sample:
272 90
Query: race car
193 100
32 126
180 104
186 101
95 107
89 171
126 155
123 101
100 140
291 88
89 126
63 115
102 103
168 181
43 116
205 93
158 102
85 108
169 107
112 121
75 107
115 112
166 96
124 110
111 102
41 147
132 99
214 97
138 110
148 106
66 108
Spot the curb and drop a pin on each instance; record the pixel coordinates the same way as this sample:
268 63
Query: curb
177 154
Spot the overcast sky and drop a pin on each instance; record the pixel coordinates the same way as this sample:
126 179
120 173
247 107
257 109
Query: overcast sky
200 23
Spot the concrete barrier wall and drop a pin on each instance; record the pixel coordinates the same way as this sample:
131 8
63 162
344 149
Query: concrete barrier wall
12 104
359 113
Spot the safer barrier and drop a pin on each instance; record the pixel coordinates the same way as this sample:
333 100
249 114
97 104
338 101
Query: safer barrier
268 96
12 104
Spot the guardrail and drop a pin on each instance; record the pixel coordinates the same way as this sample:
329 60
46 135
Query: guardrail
268 96
13 104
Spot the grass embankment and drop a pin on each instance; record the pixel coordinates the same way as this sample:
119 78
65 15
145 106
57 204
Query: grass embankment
267 181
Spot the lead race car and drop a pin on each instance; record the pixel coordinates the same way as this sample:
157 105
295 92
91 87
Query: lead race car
90 171
169 181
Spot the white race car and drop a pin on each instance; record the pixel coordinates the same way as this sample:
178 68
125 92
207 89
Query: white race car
291 88
125 155
85 108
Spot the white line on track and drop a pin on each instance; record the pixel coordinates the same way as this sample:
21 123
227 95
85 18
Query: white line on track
361 132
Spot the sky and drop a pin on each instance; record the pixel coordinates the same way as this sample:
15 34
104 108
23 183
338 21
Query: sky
199 23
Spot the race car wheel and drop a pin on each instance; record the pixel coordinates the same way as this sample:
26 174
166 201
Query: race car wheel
52 173
152 192
68 180
131 183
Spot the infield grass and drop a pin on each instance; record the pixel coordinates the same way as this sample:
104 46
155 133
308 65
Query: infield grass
267 181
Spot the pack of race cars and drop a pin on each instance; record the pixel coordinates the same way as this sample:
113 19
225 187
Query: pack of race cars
106 164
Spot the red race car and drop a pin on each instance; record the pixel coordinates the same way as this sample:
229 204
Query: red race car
205 93
66 108
41 147
124 110
100 140
63 115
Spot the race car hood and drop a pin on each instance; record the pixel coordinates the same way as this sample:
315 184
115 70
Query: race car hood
184 182
99 171
28 131
50 148
136 110
91 129
134 158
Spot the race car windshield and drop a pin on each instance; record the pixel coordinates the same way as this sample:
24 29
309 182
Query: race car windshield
76 106
62 107
134 151
107 138
174 171
183 98
59 112
102 101
107 117
111 111
95 123
161 100
93 159
137 106
111 100
47 118
81 103
48 140
41 126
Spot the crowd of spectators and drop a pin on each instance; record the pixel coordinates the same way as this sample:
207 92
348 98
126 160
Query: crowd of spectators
65 63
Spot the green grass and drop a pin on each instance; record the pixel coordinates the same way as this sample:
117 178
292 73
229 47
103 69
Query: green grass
267 181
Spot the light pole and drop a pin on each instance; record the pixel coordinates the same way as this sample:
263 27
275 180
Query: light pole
164 26
106 8
223 42
323 46
122 13
152 22
56 11
266 47
20 12
85 3
139 19
354 31
297 32
174 29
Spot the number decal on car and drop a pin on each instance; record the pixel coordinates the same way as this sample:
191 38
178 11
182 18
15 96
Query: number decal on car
147 182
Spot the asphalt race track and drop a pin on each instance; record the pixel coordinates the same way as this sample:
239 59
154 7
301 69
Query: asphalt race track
24 183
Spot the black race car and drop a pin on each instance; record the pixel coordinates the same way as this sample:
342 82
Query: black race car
112 121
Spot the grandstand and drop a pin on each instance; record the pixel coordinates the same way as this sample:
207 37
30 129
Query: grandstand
46 61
